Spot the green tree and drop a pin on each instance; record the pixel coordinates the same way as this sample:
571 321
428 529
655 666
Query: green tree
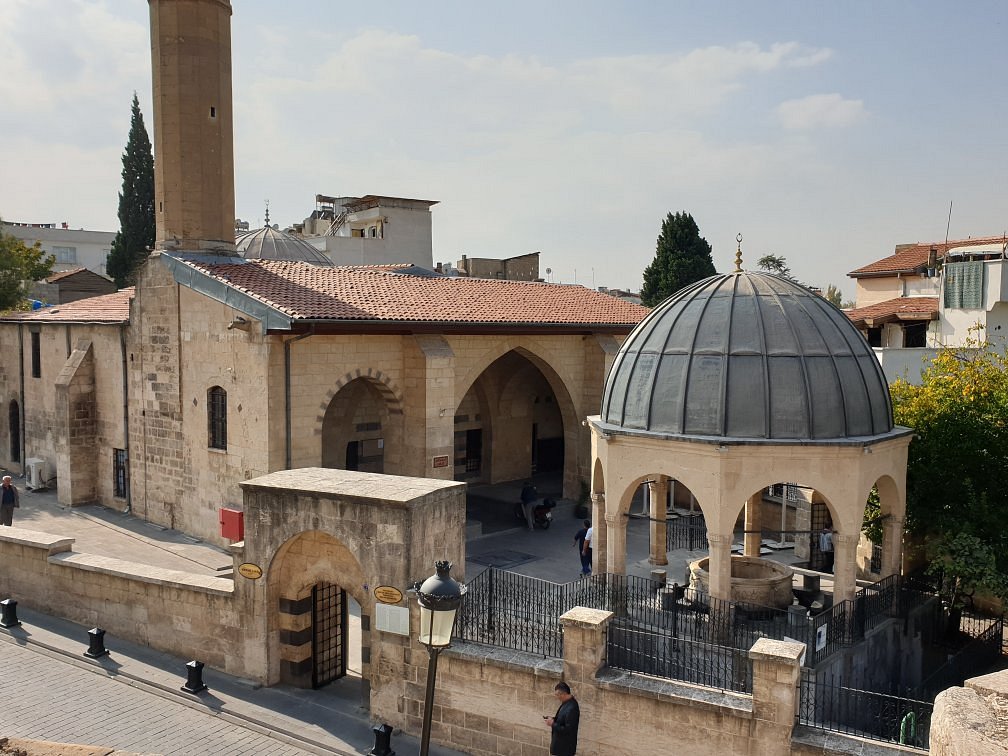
682 257
20 266
135 238
833 295
775 264
957 471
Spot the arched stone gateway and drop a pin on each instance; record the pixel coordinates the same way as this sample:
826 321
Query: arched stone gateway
324 539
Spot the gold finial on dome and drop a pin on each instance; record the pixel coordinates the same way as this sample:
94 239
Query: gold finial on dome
738 254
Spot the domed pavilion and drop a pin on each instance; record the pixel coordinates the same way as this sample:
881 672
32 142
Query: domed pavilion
735 383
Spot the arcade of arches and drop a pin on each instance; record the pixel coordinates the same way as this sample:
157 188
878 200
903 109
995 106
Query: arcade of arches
506 412
728 479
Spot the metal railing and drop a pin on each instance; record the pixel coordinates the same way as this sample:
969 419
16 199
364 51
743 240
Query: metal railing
979 654
663 655
686 532
830 704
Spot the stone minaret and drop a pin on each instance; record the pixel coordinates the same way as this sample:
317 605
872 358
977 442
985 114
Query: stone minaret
193 141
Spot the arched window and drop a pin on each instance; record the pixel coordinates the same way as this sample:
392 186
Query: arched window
14 428
217 418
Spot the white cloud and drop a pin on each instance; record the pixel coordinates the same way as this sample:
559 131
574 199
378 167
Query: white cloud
820 111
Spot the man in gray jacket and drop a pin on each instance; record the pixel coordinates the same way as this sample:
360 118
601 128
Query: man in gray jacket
8 501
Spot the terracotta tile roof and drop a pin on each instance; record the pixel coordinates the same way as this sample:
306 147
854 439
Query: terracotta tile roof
359 293
910 257
901 308
63 274
108 308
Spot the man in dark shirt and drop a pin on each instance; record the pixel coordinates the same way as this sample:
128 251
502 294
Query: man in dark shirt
8 500
579 539
564 726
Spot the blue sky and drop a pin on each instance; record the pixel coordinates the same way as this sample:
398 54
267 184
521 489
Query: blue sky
824 132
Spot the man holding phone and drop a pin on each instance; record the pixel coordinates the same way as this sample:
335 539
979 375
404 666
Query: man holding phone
564 724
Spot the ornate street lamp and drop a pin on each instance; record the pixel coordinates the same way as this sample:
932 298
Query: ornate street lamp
439 598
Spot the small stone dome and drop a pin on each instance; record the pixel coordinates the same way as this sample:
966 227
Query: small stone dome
747 356
270 244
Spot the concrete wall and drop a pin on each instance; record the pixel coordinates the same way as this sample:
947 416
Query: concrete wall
874 290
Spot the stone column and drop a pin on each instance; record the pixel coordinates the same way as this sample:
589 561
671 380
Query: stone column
776 672
753 536
584 644
720 565
892 546
600 538
659 494
615 543
431 410
844 566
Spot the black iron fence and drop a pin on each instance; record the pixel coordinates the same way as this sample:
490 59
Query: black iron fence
686 532
663 655
676 632
976 655
828 703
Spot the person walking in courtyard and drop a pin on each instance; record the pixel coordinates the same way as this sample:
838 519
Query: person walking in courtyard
529 494
586 547
9 499
826 547
579 542
564 724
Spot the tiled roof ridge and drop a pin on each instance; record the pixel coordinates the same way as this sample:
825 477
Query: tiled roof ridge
104 308
891 307
60 274
912 255
371 294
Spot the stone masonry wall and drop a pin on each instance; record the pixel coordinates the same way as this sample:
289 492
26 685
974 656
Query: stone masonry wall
191 616
492 701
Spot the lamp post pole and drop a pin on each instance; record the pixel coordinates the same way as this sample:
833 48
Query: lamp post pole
429 699
439 598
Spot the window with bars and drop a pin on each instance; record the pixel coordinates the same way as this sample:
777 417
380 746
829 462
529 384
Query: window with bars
217 418
119 473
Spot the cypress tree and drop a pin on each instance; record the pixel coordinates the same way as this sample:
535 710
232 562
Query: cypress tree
135 237
682 257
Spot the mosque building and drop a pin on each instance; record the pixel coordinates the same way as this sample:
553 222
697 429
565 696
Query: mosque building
228 361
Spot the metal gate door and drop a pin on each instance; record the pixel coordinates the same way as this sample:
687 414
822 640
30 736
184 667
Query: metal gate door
688 532
329 633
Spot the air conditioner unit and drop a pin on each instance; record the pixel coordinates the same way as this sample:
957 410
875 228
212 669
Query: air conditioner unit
35 473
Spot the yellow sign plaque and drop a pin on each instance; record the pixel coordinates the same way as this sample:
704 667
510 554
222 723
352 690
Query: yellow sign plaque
249 570
387 594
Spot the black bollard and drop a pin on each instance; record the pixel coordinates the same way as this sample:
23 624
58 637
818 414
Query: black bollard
8 613
194 679
96 643
382 741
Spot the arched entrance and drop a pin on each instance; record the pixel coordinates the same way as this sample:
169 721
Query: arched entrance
359 432
530 416
319 619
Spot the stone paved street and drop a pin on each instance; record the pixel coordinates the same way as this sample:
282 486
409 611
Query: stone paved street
53 699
